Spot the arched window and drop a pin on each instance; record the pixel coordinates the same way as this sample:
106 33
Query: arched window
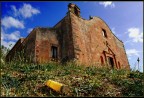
102 61
104 33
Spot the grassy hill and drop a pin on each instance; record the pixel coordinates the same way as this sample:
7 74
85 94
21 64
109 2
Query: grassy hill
19 79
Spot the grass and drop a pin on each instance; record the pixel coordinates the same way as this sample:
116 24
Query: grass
19 79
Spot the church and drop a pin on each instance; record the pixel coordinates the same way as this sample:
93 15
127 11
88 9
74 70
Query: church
88 42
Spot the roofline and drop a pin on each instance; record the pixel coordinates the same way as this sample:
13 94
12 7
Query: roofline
110 29
106 24
59 21
19 40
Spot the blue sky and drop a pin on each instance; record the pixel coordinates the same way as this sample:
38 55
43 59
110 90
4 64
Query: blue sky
125 19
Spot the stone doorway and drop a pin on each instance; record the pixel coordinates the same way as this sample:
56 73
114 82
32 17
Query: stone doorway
111 62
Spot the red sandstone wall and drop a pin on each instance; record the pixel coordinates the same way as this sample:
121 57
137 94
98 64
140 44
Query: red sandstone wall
44 39
29 46
75 38
60 36
64 32
121 54
89 42
12 52
24 48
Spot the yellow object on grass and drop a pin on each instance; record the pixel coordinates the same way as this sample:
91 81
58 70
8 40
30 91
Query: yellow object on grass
54 85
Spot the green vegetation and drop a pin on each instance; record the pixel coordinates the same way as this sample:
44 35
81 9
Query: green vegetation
29 80
20 79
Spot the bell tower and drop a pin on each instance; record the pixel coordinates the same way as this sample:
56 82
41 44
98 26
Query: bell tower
74 9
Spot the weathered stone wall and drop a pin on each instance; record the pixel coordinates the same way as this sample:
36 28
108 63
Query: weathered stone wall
75 38
65 39
24 48
45 38
89 43
29 46
60 36
16 48
121 54
37 45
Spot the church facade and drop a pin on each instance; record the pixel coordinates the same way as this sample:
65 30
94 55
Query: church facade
88 42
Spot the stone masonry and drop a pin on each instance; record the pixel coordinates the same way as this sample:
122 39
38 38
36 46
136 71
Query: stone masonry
88 42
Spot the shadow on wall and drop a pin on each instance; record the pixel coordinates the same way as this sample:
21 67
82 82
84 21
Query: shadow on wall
65 59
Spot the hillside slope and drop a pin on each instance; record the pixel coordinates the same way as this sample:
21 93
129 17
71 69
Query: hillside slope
18 79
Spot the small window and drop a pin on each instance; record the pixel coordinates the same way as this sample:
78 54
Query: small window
54 52
104 33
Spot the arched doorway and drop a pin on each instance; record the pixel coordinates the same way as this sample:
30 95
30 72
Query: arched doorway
110 58
110 61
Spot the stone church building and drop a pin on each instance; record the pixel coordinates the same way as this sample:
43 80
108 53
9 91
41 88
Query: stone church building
87 42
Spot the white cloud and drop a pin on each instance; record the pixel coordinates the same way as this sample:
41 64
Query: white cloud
29 30
13 36
107 3
8 40
132 52
135 34
8 22
25 11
